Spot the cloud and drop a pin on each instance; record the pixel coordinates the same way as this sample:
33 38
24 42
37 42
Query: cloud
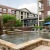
32 7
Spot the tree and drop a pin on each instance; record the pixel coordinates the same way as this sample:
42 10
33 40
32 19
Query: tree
11 21
7 17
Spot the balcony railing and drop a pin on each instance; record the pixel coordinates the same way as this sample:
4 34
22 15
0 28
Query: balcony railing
41 9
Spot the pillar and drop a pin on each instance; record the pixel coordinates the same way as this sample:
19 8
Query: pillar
26 15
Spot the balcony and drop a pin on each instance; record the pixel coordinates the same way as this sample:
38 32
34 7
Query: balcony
41 1
41 9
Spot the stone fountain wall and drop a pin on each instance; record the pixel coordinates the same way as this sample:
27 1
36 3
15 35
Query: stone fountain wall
4 45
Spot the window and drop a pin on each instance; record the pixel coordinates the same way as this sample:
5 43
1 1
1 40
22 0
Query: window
4 10
48 13
48 2
21 13
21 17
9 10
0 9
13 11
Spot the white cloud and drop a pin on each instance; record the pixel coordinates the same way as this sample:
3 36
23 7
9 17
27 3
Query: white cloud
32 7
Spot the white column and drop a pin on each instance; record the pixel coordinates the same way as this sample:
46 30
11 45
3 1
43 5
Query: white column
20 15
26 15
23 15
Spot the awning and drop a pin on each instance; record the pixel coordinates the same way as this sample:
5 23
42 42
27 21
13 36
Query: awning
47 23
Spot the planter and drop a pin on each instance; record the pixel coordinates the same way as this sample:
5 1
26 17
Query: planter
18 31
10 32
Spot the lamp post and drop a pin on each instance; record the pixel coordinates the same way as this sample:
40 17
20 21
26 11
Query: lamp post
38 15
38 12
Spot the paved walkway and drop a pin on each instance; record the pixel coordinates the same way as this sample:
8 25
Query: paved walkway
42 47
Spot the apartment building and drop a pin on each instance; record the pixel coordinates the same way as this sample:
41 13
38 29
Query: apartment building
7 10
43 9
24 13
28 18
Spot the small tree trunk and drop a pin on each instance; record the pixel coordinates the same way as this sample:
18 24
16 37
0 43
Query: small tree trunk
1 25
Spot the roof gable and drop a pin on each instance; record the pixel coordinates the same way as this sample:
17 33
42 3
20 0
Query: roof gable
24 9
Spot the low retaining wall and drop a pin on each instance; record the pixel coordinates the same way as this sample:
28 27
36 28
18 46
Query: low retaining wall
25 28
4 45
21 28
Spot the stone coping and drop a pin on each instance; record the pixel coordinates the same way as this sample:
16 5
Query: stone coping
30 31
8 44
20 46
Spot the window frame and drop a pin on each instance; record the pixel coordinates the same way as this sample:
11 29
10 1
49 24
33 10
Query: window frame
9 10
4 10
48 13
48 2
0 9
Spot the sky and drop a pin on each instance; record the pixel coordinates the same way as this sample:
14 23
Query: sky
18 4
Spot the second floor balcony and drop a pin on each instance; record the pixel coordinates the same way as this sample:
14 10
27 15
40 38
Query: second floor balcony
40 0
41 9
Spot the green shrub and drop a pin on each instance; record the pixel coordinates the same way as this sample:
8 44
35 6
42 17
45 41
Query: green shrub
11 21
47 19
7 18
18 23
38 27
